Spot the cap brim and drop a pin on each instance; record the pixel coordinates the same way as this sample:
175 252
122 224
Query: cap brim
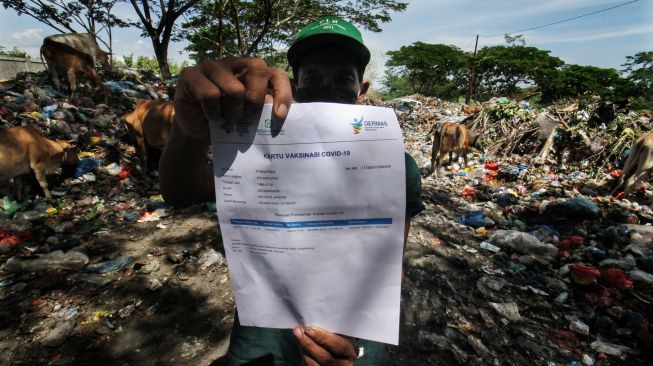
300 47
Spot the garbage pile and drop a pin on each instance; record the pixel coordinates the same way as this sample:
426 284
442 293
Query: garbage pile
521 257
84 273
526 262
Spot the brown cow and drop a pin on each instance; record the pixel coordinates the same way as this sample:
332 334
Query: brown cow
149 124
470 109
23 149
449 138
638 165
84 43
62 59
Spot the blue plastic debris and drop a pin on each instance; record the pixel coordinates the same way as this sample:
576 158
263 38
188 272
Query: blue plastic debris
86 165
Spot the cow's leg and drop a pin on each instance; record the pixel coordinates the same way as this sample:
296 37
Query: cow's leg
54 75
18 186
435 151
140 141
39 171
464 152
72 80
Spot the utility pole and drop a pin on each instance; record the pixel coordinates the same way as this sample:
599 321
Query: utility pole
472 76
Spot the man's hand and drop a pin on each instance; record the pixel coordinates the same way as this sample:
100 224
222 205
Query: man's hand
226 89
320 347
214 90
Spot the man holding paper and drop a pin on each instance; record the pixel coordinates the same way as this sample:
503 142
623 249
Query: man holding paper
328 60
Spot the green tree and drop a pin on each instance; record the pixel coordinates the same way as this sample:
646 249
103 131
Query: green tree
88 16
638 70
395 85
158 21
503 70
14 52
263 28
573 80
430 69
148 63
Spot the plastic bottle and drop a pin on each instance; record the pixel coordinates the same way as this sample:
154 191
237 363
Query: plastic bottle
523 243
72 260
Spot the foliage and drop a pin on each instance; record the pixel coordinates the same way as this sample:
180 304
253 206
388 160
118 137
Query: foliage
14 52
429 69
574 80
262 28
395 85
157 21
88 16
148 63
502 70
638 70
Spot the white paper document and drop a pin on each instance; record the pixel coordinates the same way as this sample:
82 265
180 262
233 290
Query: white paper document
313 218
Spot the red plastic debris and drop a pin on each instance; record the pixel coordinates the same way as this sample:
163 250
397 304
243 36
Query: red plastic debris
468 193
619 196
570 242
125 172
604 298
616 173
616 278
13 239
583 274
565 339
491 166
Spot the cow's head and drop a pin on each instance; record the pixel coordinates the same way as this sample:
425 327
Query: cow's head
70 154
475 140
103 58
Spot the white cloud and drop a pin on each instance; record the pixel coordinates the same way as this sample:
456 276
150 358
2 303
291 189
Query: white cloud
607 34
30 37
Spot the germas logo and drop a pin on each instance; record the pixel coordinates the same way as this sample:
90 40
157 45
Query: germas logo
357 125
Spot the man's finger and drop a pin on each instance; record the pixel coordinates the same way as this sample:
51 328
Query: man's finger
197 97
309 361
256 78
282 97
335 344
222 74
310 348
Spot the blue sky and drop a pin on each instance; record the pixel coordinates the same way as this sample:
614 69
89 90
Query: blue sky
602 40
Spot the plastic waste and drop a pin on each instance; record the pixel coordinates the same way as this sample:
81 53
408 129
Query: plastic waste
488 246
111 169
522 243
110 265
86 165
580 208
610 348
57 260
209 259
9 207
616 278
506 199
476 219
125 172
561 299
579 327
584 275
642 277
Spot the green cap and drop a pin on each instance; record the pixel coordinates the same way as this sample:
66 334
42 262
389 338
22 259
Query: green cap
329 30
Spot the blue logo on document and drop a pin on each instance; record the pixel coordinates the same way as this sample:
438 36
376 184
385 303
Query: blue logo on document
357 125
